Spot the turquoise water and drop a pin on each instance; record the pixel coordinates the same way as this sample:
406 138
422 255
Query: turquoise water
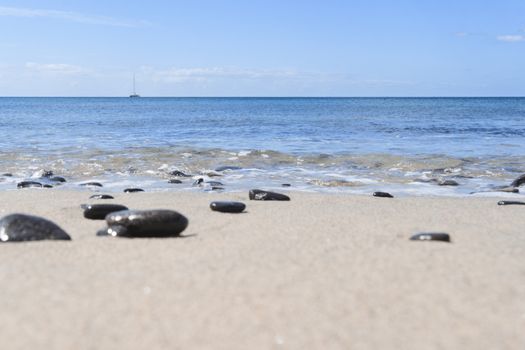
319 144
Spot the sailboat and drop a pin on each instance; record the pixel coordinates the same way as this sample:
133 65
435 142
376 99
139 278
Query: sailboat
134 94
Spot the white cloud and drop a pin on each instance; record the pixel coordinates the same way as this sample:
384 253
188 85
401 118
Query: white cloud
511 38
68 16
55 68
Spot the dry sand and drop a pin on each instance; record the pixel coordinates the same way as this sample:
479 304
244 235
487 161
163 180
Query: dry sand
318 272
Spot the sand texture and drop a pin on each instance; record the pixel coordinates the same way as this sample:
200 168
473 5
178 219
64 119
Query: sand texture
319 272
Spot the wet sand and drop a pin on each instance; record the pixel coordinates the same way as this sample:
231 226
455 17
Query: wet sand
319 272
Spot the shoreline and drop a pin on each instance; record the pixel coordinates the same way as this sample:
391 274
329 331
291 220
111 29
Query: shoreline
320 271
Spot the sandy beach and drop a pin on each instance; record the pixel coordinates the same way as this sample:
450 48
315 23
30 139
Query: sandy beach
319 272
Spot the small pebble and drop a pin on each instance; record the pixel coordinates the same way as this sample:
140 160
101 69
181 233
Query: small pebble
228 167
101 196
133 190
431 236
99 211
260 195
6 174
214 183
144 223
511 203
57 179
21 227
227 206
286 185
382 194
94 184
178 173
198 182
174 181
28 184
448 183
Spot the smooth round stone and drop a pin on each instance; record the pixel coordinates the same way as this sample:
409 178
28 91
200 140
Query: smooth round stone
174 181
511 203
6 174
519 181
57 179
286 185
431 236
214 183
101 196
198 182
21 227
260 195
28 184
146 223
227 206
133 190
382 194
448 183
47 186
214 188
178 173
99 211
228 167
93 184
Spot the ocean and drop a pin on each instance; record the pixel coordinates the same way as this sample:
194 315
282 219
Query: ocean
353 145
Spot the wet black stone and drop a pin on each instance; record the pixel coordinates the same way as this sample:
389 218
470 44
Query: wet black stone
95 184
20 227
47 186
133 190
261 195
198 182
101 196
178 173
113 231
174 181
507 189
431 236
28 184
286 185
227 206
99 211
519 181
382 195
448 183
511 203
145 223
228 167
6 174
214 183
216 188
57 179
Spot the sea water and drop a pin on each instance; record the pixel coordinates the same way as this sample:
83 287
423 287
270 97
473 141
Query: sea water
356 145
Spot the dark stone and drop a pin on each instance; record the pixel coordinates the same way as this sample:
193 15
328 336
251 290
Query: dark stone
101 196
431 236
511 203
20 227
227 207
228 167
178 173
382 195
519 181
261 195
174 181
47 186
214 183
198 182
115 230
7 174
425 180
95 184
99 211
507 189
58 179
27 184
448 183
133 190
286 185
145 223
216 188
47 173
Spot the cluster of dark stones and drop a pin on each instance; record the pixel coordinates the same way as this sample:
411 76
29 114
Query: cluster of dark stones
45 179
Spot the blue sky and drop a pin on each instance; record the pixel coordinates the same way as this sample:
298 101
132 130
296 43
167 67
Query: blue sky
262 48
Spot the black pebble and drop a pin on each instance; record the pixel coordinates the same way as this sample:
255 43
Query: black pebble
27 184
286 185
261 195
101 196
99 211
47 186
214 183
448 183
58 179
133 190
431 236
511 203
227 207
7 174
228 167
174 181
145 223
20 227
95 184
519 181
198 182
178 173
382 194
